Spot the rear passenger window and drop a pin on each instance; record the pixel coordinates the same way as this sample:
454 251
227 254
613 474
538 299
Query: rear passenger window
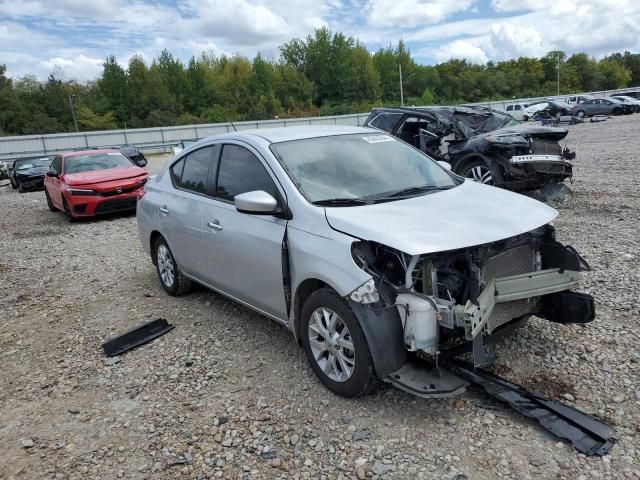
510 108
191 172
518 107
240 172
176 172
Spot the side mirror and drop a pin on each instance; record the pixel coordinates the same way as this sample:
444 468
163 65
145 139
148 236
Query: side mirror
257 202
52 173
445 165
142 162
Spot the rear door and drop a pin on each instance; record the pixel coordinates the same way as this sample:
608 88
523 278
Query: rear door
181 210
244 251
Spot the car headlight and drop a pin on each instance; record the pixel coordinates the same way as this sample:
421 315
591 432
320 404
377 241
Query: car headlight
506 139
80 191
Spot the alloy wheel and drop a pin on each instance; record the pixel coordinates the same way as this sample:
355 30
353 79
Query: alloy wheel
481 174
165 265
331 344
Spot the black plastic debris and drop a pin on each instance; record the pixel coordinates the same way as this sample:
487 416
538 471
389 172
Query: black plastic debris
136 337
586 433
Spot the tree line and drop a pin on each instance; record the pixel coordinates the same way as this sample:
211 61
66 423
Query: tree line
326 73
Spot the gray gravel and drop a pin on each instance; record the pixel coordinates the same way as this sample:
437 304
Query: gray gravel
228 394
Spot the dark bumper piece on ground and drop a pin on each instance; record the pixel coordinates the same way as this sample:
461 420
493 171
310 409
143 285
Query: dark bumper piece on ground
421 382
136 337
587 434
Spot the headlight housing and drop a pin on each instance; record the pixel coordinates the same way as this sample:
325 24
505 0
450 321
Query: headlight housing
80 191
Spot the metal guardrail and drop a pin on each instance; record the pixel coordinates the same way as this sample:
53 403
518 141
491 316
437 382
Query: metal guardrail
159 139
150 138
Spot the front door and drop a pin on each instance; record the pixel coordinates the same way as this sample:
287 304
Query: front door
244 251
53 183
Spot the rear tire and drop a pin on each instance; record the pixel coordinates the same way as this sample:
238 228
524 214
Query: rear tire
335 345
169 274
52 208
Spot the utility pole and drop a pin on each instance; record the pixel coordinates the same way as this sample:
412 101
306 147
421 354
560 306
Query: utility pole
401 92
73 111
558 73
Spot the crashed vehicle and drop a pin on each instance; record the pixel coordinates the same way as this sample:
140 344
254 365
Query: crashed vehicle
485 145
380 260
27 174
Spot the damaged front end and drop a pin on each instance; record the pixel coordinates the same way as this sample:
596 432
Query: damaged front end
456 301
528 157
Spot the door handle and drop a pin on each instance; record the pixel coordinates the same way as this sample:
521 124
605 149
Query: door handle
164 210
215 225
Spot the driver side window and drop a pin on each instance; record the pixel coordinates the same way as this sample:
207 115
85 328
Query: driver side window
240 172
56 164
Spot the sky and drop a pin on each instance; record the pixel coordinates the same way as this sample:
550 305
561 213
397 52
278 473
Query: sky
75 36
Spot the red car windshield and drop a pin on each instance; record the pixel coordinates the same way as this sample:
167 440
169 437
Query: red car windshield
95 161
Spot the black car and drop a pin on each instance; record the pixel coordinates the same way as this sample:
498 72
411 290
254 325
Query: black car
27 174
482 144
134 154
553 110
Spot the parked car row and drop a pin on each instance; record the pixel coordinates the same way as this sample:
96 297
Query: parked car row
383 248
27 174
575 105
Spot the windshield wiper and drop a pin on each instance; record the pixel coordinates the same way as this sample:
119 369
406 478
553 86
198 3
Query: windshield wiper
414 190
340 202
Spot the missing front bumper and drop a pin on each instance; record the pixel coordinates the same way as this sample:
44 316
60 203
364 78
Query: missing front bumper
475 317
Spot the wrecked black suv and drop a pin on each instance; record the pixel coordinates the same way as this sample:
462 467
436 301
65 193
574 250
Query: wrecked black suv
485 145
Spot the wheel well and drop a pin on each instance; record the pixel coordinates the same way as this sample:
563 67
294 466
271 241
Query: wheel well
152 243
304 291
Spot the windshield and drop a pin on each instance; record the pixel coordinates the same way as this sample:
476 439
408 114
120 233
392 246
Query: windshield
363 166
32 163
95 161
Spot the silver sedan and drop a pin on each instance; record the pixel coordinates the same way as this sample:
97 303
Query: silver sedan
377 258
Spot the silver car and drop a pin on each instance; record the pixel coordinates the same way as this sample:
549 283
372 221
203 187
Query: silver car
380 261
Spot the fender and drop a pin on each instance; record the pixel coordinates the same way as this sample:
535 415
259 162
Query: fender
459 162
383 330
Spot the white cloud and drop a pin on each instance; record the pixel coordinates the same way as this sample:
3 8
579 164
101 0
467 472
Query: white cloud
412 13
461 49
80 67
510 41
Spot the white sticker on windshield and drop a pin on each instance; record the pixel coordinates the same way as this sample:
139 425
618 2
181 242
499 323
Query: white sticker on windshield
378 138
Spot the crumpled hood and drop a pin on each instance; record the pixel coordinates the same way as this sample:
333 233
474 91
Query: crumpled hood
468 215
105 175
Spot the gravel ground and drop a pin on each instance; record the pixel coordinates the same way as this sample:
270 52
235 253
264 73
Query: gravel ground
228 394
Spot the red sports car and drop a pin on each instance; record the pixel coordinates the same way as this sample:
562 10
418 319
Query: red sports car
93 182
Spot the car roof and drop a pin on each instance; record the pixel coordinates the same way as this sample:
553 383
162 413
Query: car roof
285 134
89 152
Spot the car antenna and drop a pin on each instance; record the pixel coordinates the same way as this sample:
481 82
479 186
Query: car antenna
234 127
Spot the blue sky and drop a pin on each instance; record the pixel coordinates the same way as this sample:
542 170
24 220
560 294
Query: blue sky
75 36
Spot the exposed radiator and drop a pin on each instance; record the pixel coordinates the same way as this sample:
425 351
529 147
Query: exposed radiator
513 261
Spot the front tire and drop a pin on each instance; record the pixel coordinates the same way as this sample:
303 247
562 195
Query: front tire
67 211
171 279
52 208
580 113
336 346
478 171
